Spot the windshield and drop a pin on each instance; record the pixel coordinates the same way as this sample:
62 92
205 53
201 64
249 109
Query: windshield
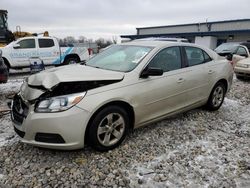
227 47
3 21
123 58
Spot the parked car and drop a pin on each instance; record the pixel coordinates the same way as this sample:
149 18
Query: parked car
124 87
242 68
4 74
238 48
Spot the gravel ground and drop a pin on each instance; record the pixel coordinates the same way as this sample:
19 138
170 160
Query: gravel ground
194 149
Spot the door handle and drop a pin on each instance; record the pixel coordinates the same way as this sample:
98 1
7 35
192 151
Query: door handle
210 72
180 80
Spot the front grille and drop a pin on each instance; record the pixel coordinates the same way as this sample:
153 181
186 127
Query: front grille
19 110
243 74
20 133
49 138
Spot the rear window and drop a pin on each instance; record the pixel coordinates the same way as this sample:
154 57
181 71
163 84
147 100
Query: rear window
227 47
196 56
247 44
45 43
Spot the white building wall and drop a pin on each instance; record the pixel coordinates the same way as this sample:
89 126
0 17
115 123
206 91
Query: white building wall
203 27
207 41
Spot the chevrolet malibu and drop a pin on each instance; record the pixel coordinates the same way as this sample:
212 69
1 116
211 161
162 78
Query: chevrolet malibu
124 87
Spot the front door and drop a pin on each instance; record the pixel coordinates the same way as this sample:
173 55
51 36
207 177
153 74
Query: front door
22 51
161 95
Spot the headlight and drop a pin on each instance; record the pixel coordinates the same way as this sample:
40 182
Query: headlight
60 103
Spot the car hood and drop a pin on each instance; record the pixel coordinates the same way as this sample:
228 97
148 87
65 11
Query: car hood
71 73
244 61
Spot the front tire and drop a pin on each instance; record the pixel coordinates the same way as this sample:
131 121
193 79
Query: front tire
108 128
216 97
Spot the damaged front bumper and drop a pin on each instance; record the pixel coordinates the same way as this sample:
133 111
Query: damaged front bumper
59 130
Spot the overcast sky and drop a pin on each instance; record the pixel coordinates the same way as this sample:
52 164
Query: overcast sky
107 18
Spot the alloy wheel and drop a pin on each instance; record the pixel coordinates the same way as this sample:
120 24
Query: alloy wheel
218 96
111 129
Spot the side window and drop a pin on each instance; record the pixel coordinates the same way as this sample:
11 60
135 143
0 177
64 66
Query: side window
45 43
167 59
27 43
241 51
195 56
207 58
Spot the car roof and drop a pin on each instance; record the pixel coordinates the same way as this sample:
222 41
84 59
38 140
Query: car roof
162 39
35 37
164 44
152 43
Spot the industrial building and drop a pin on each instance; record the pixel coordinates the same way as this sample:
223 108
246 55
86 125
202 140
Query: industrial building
210 34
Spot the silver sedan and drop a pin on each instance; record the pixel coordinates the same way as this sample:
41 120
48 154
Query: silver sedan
124 87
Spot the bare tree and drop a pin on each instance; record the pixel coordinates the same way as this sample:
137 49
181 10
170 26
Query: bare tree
102 43
70 39
82 39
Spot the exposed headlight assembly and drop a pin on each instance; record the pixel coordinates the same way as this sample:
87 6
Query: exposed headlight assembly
59 103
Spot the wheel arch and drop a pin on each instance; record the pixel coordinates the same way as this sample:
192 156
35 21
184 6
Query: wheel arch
126 106
224 81
6 61
71 56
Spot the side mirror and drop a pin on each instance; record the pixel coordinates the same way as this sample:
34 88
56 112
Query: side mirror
229 57
16 46
151 71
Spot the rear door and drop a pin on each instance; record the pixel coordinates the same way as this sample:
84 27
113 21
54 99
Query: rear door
48 51
197 75
21 55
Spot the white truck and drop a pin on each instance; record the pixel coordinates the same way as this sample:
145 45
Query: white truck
18 53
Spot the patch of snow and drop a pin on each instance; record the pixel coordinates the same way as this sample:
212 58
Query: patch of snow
6 128
10 86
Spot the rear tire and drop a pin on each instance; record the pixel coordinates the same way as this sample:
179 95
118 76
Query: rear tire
71 60
216 97
108 128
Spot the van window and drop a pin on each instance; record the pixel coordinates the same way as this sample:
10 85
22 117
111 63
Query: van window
46 43
27 43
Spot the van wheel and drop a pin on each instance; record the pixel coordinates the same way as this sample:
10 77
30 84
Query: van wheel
239 77
71 60
216 97
7 65
108 128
